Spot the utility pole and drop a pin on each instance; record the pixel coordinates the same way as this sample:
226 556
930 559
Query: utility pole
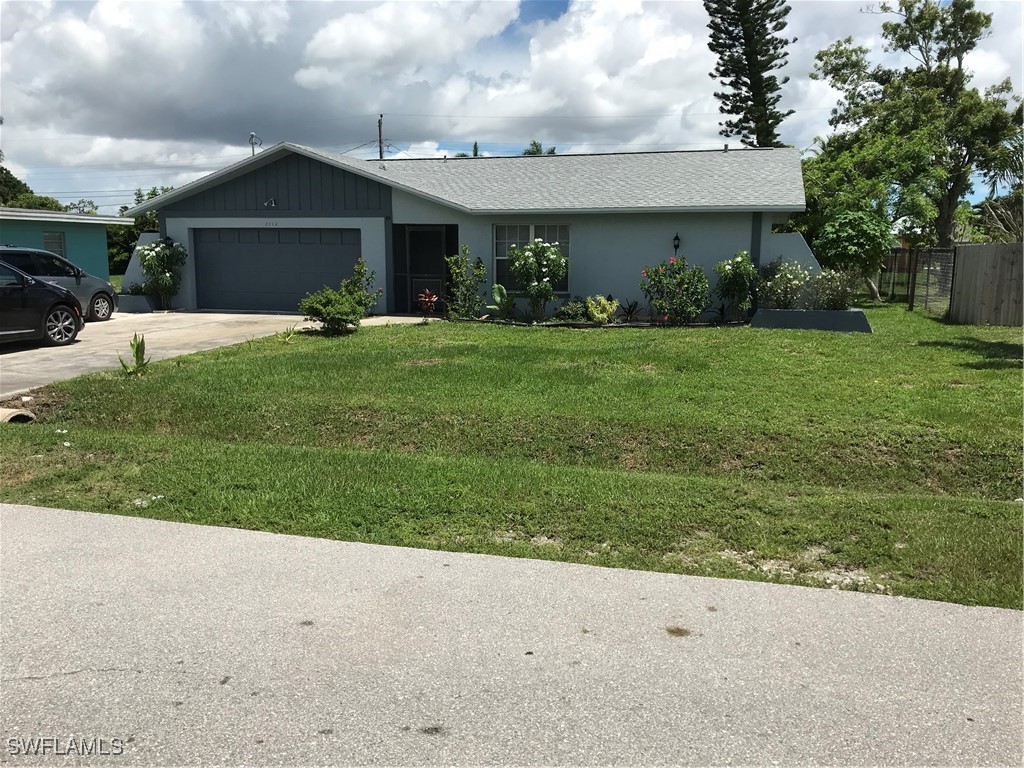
380 137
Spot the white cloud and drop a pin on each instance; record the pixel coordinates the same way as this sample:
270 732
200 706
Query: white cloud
110 95
401 37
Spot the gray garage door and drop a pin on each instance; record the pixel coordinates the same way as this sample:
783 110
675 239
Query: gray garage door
270 269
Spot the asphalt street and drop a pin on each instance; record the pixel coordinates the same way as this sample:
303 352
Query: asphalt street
198 645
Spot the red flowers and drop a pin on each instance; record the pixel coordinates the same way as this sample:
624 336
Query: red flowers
671 260
643 272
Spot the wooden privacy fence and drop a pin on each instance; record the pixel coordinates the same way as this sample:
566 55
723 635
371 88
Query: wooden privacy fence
988 285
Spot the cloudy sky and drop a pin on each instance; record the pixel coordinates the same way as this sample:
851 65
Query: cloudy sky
99 98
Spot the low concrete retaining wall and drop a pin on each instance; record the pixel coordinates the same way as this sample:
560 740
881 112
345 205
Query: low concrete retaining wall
844 321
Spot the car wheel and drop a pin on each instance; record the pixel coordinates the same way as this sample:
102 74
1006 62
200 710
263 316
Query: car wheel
101 307
61 326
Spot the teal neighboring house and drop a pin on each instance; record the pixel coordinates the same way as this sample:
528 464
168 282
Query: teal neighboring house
81 238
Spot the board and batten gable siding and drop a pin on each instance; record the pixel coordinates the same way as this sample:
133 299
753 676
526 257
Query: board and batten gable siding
298 185
307 194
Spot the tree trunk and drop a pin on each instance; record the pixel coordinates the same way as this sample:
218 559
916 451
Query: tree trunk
872 289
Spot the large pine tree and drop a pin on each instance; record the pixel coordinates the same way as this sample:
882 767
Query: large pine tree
744 35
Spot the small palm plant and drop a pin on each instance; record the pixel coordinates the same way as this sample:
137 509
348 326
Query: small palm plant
139 360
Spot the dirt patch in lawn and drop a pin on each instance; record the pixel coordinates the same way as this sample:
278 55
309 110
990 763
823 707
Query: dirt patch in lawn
46 403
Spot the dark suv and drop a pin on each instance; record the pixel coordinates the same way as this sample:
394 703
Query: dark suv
33 309
96 295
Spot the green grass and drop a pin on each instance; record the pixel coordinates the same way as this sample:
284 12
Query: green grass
887 463
116 281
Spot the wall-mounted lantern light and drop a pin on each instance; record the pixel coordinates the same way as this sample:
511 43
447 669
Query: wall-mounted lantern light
675 244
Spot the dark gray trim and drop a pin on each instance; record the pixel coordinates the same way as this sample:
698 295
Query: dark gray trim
755 239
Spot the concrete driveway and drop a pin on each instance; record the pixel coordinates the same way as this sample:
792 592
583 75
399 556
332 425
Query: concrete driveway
168 334
197 645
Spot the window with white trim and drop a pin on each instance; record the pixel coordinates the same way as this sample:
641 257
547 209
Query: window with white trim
54 242
508 235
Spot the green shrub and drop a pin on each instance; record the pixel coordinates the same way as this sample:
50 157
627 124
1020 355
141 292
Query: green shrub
537 266
464 282
677 294
339 311
359 288
504 302
601 310
783 285
832 289
574 311
736 280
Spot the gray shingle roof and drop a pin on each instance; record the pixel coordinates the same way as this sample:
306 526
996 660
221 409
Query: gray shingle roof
749 179
735 180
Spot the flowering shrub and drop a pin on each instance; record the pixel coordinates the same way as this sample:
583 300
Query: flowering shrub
783 284
677 294
601 310
832 289
537 266
161 264
736 280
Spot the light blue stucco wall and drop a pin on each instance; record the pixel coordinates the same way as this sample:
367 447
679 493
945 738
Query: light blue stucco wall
85 245
608 251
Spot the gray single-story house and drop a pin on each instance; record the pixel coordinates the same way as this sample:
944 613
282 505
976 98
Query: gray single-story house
265 231
81 238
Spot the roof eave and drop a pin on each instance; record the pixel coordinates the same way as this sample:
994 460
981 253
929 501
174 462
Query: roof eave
650 209
35 214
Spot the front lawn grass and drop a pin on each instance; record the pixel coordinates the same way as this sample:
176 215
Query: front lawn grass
888 463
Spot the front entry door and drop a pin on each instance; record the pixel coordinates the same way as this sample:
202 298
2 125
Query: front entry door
426 248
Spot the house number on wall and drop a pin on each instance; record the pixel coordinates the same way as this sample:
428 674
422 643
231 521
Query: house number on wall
271 223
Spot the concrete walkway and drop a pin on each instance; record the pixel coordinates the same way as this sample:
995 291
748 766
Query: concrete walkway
168 334
197 645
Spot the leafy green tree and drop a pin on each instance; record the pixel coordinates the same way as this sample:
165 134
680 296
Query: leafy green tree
82 206
855 241
476 151
121 240
954 130
1001 216
11 186
745 37
38 202
536 148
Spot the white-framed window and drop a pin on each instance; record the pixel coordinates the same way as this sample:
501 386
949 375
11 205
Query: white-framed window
508 235
54 242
